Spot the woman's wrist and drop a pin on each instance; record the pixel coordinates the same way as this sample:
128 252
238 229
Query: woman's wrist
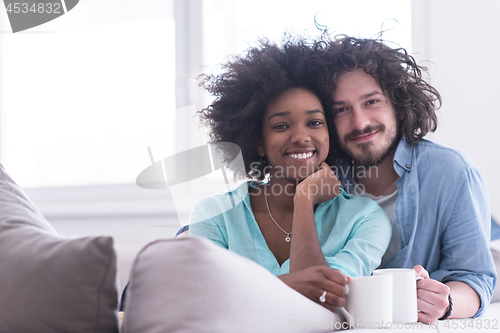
303 199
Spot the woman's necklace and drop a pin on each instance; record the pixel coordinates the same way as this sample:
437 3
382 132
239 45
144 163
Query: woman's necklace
288 234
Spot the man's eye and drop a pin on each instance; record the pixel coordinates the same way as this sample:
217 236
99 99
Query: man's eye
340 110
372 101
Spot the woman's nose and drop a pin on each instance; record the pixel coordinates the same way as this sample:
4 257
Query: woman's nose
300 136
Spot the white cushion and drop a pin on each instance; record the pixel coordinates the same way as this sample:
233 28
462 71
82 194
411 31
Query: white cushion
49 283
191 285
495 252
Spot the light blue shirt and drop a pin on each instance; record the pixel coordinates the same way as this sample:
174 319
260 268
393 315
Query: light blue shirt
442 214
353 231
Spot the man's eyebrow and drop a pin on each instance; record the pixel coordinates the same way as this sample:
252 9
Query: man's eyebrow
370 95
362 97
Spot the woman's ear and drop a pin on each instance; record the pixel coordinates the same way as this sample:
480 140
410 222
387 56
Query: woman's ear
259 147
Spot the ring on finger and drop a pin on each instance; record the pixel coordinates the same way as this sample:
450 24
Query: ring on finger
322 298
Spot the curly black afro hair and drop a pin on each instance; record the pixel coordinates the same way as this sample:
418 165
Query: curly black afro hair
250 82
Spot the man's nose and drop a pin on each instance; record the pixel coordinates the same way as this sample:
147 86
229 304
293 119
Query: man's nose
360 119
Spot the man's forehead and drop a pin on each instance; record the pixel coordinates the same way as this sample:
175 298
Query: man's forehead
361 85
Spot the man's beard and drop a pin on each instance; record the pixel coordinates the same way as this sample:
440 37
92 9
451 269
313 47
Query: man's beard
369 157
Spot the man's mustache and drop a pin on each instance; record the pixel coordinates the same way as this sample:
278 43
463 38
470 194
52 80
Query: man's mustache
356 132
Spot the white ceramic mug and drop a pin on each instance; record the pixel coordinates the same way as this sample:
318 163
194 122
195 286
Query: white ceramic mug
369 301
404 293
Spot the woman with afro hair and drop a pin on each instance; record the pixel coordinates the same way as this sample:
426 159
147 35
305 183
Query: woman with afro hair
289 215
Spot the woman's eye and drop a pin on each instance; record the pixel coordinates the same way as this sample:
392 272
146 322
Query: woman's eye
280 126
315 123
372 101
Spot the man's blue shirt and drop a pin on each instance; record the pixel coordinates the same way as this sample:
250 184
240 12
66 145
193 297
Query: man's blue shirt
442 214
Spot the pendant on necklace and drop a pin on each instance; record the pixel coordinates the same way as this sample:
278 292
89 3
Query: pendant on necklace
287 239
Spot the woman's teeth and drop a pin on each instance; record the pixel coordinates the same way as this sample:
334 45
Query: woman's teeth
301 156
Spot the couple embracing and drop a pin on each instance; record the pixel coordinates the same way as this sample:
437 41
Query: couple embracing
340 180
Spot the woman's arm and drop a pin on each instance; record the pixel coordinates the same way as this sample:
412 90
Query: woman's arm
310 274
363 231
313 281
305 250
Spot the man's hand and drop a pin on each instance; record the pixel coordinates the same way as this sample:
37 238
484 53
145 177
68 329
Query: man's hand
313 281
432 297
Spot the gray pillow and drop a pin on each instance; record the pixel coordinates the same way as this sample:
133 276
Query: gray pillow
495 252
49 283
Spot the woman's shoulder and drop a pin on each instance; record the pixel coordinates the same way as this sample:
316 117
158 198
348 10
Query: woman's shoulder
353 200
223 201
240 190
361 206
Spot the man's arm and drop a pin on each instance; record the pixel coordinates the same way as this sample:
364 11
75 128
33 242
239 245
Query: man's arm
432 298
466 266
466 301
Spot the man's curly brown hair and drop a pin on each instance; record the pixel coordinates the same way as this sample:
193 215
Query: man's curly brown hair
249 83
397 73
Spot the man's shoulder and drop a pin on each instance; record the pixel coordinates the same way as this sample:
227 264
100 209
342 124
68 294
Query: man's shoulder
435 154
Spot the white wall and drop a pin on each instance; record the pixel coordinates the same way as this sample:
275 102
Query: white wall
460 38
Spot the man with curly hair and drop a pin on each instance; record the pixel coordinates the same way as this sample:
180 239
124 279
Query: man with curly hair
435 196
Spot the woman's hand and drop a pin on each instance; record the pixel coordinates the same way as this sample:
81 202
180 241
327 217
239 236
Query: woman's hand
319 187
313 281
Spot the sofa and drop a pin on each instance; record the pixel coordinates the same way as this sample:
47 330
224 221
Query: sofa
51 283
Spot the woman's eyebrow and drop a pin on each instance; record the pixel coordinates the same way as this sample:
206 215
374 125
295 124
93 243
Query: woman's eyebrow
314 111
280 114
287 113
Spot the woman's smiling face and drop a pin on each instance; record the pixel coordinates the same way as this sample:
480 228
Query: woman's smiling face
295 135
